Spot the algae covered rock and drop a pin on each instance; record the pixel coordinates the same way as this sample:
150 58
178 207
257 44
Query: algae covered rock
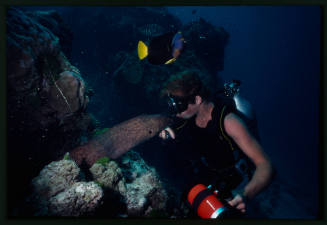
58 191
145 192
109 175
81 199
127 187
137 183
56 177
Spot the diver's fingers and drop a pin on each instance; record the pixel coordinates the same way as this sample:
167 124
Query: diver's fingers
162 134
235 201
171 132
166 133
241 207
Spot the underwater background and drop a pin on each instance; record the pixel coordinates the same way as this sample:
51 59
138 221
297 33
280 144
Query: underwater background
273 50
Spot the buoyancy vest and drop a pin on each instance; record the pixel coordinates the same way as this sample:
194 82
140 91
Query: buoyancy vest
211 142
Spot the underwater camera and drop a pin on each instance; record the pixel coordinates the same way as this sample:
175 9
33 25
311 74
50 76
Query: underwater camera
208 205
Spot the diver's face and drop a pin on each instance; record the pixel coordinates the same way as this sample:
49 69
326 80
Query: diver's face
191 110
188 113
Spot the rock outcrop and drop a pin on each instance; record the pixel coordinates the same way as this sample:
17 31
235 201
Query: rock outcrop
58 191
133 179
61 189
46 98
46 94
53 21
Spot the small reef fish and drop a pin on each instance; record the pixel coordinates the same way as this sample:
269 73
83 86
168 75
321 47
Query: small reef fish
151 30
163 49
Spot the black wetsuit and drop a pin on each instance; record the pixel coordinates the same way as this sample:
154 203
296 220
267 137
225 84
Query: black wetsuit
205 155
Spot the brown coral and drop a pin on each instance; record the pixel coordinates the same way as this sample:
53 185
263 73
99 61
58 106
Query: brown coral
67 94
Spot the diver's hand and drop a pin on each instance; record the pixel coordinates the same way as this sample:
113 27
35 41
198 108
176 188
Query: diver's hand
167 133
238 202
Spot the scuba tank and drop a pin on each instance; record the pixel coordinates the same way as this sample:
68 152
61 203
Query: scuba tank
232 89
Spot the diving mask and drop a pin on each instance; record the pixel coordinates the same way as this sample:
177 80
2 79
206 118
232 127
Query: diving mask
177 104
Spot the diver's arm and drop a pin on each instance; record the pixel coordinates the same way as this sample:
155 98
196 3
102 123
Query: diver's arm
236 129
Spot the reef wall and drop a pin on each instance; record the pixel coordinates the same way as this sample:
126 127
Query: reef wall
46 99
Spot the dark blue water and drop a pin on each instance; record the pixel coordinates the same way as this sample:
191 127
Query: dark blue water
275 52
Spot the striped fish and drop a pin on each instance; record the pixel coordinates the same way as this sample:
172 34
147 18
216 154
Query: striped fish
151 30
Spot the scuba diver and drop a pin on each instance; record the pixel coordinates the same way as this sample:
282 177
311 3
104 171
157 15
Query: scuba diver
207 131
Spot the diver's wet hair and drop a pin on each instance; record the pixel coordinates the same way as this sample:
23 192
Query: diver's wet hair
185 85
